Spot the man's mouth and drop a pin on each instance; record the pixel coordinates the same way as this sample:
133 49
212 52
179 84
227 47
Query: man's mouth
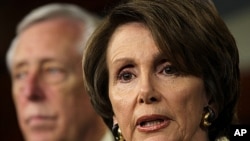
40 120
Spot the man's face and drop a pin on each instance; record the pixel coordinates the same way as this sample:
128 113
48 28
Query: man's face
47 82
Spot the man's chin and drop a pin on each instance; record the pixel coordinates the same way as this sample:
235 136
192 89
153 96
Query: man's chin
41 136
40 131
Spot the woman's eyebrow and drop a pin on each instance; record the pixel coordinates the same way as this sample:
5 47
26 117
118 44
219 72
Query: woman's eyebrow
158 57
123 60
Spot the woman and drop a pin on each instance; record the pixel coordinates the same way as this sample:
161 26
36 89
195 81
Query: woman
163 70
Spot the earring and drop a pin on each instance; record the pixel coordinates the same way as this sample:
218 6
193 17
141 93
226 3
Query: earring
208 117
117 133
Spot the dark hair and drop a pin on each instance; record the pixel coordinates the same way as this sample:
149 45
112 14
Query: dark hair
191 34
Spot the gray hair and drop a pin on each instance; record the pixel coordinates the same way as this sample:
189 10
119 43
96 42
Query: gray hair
51 11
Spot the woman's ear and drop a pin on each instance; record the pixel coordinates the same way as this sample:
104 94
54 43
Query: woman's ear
115 126
117 131
114 120
210 102
213 106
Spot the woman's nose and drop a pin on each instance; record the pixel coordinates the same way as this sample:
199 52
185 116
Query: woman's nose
147 92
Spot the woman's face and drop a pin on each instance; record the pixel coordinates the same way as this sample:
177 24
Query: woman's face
150 99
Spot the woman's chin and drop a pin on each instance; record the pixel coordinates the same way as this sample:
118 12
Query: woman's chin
154 137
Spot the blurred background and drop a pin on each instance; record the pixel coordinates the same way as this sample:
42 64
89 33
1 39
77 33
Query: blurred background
236 14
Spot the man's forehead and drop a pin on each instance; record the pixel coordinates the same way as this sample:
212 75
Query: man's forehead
42 41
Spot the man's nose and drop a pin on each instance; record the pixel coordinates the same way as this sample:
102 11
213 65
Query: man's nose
33 88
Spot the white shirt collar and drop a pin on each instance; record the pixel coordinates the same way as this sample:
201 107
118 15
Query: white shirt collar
108 136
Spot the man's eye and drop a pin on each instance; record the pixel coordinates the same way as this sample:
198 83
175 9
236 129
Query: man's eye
54 74
126 76
19 75
53 70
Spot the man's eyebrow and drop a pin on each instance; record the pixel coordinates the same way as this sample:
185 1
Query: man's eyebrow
22 63
19 65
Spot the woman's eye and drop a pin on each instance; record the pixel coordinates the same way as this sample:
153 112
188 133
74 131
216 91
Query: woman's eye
125 76
169 69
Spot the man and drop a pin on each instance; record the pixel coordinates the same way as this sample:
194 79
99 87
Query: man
45 65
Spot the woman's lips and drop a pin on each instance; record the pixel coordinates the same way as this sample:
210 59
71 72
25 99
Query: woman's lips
151 123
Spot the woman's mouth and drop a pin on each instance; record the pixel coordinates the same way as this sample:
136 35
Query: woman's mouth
152 123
